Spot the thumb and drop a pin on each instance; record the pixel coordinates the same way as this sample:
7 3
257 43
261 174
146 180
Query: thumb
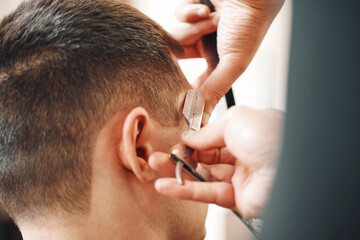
218 83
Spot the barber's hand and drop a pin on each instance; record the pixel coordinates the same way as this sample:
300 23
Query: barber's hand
248 141
195 21
241 28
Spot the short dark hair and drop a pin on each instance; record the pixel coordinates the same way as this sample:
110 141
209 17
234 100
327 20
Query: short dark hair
66 66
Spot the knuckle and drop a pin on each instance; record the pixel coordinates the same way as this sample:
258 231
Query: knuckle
213 95
185 13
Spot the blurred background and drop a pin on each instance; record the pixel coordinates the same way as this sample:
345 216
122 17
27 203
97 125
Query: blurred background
263 85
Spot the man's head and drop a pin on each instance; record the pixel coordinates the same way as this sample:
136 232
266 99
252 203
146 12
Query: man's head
76 75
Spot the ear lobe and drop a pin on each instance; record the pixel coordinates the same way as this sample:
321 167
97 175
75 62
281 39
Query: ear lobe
135 145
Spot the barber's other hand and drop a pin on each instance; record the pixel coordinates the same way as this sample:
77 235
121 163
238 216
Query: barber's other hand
248 140
195 21
241 28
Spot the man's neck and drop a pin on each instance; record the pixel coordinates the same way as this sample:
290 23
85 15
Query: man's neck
92 229
140 215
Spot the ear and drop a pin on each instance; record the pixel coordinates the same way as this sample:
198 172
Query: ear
135 145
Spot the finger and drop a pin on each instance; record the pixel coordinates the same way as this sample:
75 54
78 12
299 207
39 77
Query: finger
219 193
189 11
222 172
162 163
214 156
219 82
207 138
190 33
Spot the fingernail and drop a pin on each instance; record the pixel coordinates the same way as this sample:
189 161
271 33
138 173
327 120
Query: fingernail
202 12
187 134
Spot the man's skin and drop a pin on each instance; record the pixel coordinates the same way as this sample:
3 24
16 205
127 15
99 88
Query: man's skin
124 203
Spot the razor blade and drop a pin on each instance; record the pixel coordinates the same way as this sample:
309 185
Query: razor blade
193 109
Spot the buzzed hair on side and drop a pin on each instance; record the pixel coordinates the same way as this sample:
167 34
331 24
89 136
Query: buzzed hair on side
66 66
